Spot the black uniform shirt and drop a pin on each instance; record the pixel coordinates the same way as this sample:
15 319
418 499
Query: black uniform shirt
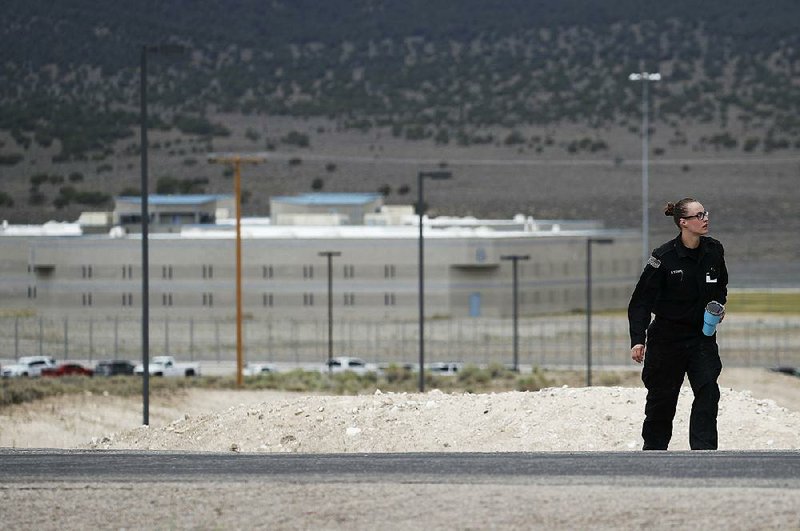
676 285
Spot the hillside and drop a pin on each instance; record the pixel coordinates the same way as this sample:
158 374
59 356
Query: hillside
356 95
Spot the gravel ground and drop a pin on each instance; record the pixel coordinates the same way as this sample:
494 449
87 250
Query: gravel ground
395 506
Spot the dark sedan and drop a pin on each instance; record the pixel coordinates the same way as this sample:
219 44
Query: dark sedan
114 368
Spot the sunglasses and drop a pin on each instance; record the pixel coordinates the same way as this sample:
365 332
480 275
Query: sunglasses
700 216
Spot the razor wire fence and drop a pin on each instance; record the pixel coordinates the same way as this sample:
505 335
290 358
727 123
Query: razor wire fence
556 341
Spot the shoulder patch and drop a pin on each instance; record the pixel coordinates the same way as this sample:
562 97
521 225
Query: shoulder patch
654 262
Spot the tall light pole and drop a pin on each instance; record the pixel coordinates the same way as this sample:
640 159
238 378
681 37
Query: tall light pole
330 255
589 242
421 176
514 259
645 78
162 49
237 161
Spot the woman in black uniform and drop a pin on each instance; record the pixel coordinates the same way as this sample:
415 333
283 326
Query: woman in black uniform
680 279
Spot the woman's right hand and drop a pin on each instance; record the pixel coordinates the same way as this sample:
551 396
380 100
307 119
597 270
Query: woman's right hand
637 353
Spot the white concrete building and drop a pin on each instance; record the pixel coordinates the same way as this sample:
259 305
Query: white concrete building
57 269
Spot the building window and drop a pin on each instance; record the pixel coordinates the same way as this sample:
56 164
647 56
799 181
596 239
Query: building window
31 292
267 300
166 299
127 271
208 299
388 299
308 271
166 272
86 299
208 271
389 271
349 299
349 271
266 271
86 271
308 299
127 299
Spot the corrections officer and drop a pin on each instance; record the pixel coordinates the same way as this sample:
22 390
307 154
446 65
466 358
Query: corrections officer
680 278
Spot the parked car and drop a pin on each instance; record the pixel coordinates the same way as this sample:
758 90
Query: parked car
67 369
114 368
444 368
256 369
30 366
167 366
346 363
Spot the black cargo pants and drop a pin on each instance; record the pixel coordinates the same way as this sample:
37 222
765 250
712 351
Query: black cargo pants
664 367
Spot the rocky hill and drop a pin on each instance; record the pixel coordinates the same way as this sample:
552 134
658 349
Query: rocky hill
356 95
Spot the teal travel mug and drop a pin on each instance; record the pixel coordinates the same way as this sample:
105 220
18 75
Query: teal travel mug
711 317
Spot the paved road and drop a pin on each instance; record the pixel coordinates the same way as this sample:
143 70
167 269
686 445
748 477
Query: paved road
766 469
598 490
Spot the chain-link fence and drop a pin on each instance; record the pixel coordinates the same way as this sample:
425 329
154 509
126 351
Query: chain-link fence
745 340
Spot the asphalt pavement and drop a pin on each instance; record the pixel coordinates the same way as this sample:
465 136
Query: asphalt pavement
723 468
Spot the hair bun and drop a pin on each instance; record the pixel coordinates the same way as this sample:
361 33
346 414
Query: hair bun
669 210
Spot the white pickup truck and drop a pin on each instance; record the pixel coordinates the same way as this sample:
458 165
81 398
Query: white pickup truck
28 366
167 366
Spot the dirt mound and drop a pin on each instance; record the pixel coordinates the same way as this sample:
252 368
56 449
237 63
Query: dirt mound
553 419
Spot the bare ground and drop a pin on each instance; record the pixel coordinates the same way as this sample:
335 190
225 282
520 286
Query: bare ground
759 410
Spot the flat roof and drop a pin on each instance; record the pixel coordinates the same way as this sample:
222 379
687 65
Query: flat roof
188 199
327 199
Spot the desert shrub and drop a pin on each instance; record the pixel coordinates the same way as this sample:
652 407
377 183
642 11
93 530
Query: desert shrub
199 125
39 179
394 374
533 382
6 200
317 184
471 375
92 198
75 177
295 138
11 159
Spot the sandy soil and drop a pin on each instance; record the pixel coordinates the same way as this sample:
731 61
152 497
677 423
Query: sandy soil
759 410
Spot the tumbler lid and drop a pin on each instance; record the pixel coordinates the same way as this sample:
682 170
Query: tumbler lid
715 308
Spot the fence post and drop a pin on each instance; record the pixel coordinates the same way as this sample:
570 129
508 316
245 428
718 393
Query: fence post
216 337
91 339
66 339
191 338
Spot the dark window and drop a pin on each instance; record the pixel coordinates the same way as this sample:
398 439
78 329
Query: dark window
267 299
308 299
266 271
